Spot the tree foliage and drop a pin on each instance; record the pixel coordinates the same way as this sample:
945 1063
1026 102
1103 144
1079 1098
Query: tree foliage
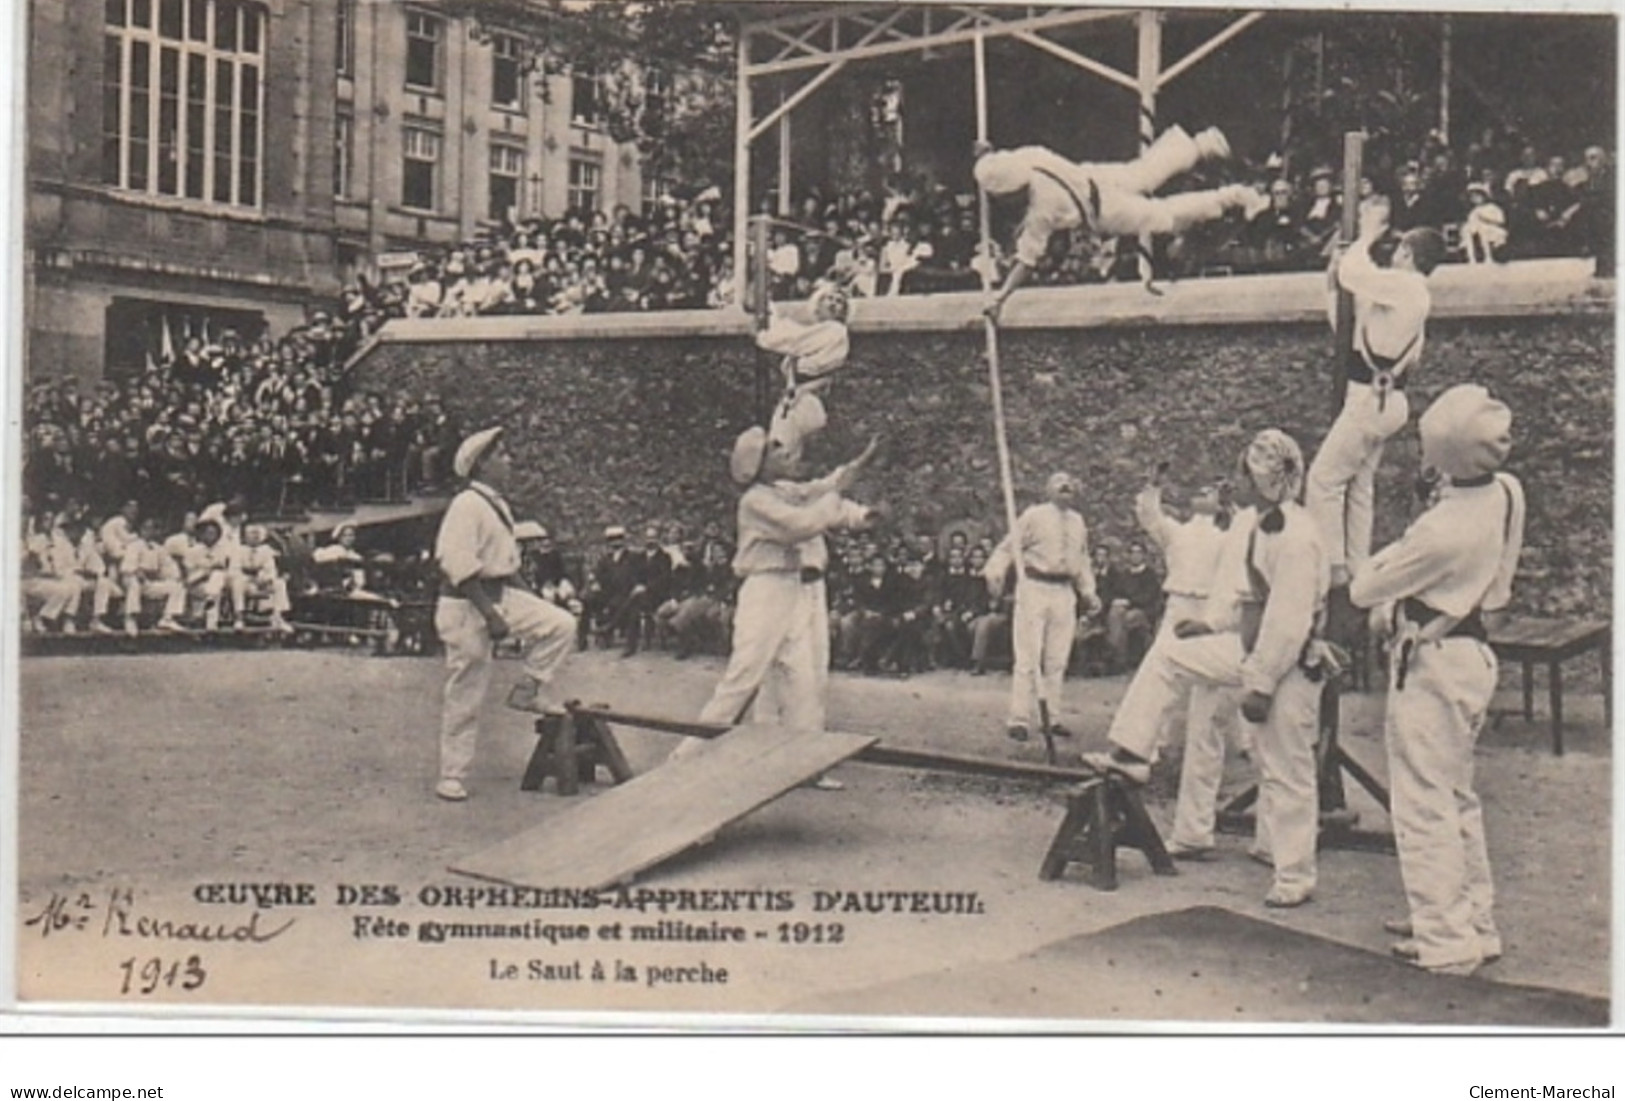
664 70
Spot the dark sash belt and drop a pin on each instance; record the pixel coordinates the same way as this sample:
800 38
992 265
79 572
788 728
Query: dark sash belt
1052 578
493 587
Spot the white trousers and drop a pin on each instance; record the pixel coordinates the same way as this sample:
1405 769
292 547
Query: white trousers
780 654
106 589
1341 490
546 635
209 591
1432 726
1288 792
243 587
60 594
1212 724
1046 621
1126 206
172 593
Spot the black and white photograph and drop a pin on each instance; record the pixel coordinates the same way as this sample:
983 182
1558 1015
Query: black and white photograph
977 516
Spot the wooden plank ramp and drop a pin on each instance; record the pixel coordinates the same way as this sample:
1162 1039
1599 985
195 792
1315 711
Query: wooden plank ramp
634 826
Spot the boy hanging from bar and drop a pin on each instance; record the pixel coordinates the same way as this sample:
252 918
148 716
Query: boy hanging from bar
1107 199
1390 314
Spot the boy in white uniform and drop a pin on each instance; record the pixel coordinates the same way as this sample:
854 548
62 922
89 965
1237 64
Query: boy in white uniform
1108 200
1390 315
1430 589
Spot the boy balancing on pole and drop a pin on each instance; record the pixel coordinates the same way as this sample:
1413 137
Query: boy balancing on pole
1109 200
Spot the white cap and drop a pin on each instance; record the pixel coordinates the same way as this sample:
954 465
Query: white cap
529 529
1466 433
468 455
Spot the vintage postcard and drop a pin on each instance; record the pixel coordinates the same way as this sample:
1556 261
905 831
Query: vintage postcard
1015 516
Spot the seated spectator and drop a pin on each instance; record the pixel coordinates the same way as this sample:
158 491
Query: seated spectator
338 565
915 598
1273 235
205 571
1132 596
991 638
783 265
51 575
868 629
1554 207
1410 208
1484 231
149 572
542 565
254 576
902 253
1320 220
610 601
1597 216
963 598
702 618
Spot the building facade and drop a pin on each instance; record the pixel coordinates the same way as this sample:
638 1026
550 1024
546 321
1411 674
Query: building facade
202 165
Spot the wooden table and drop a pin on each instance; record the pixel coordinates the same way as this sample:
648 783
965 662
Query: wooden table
1551 642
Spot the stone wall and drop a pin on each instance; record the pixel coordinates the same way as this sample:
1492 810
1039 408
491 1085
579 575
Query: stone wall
632 429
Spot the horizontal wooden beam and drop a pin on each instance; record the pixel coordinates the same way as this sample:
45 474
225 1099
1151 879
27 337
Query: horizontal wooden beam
878 754
993 25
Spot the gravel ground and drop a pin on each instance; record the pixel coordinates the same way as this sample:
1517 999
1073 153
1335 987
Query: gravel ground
161 773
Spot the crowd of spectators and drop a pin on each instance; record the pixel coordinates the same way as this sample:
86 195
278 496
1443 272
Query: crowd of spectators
899 604
1499 199
673 256
274 423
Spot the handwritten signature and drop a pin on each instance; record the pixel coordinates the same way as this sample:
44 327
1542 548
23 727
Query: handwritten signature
120 917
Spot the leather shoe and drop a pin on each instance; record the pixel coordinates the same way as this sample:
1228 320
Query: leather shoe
1136 772
1286 898
1399 927
452 791
1194 853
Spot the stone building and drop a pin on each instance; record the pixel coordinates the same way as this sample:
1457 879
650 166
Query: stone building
202 165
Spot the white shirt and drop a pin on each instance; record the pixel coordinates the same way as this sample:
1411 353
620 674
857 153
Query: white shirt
1190 550
1294 569
476 536
1054 540
782 525
1391 306
1459 555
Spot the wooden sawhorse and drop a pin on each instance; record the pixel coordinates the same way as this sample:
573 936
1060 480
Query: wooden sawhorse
1104 814
571 747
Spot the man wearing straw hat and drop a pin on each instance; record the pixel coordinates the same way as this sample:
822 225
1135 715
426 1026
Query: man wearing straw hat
1429 591
483 600
780 653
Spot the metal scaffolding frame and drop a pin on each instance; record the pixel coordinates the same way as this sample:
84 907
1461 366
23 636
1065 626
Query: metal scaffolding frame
825 40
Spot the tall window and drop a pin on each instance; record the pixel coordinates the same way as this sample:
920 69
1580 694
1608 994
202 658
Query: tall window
182 98
507 169
586 99
507 75
345 36
422 51
586 179
343 155
422 159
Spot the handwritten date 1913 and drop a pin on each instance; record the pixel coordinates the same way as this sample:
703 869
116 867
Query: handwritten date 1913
146 976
